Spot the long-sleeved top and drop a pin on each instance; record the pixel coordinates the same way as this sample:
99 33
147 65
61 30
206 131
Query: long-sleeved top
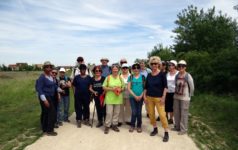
155 85
106 70
45 86
184 89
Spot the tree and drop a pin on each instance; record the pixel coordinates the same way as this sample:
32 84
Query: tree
204 31
165 53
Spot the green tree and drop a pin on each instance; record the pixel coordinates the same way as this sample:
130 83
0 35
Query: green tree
204 31
165 53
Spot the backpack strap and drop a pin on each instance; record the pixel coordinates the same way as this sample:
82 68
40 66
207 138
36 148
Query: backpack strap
143 80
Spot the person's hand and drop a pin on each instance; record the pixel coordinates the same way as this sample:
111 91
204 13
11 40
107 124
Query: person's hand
46 103
162 100
139 98
145 99
95 93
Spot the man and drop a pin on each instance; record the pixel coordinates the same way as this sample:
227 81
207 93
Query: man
106 70
76 70
65 84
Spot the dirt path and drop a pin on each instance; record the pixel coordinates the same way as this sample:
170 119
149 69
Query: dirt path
86 138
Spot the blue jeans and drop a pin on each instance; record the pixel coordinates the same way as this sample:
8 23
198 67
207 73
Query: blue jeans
136 108
64 102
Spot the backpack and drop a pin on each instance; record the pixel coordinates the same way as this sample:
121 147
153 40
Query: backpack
143 80
185 79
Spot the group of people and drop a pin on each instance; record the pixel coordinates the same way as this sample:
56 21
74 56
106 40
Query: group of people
119 92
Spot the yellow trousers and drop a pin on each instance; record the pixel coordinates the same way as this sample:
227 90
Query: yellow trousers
155 102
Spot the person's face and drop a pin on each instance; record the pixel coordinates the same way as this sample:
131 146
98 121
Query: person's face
82 71
98 72
62 74
142 65
136 70
48 68
115 70
154 65
125 69
54 73
104 62
171 66
181 67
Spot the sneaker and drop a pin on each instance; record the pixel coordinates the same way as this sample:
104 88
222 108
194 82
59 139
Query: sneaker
170 121
139 130
166 137
131 129
79 123
115 128
99 124
106 130
51 133
182 133
154 132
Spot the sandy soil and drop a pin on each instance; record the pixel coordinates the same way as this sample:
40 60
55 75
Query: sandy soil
86 138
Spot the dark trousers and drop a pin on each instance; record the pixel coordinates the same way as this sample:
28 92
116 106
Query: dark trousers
48 115
101 110
136 108
81 105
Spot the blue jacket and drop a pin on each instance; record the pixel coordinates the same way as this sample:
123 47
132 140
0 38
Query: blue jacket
45 87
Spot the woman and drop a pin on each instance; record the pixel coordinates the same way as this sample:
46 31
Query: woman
46 88
81 85
97 90
136 88
154 95
171 89
113 85
184 88
125 110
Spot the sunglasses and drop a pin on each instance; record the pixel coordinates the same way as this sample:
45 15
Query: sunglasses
125 68
153 64
48 66
171 65
181 66
98 70
54 73
123 62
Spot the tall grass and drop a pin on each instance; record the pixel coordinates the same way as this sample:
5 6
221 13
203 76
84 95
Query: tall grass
214 121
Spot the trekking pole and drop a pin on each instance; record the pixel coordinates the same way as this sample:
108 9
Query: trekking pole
93 113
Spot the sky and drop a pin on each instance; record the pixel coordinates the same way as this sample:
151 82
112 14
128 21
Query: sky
35 31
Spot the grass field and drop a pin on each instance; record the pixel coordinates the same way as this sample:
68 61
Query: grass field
213 123
19 110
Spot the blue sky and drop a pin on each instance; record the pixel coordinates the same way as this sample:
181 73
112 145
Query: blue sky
34 31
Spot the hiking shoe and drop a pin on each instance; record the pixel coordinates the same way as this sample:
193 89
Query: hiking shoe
56 125
158 119
67 120
86 122
154 132
131 129
139 129
60 123
170 121
128 123
166 137
174 129
119 124
79 123
106 130
182 133
51 133
115 128
99 124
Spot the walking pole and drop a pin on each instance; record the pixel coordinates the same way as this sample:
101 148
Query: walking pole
93 114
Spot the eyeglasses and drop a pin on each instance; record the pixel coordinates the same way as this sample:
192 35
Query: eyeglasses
136 68
124 67
48 66
181 65
153 64
123 62
98 70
